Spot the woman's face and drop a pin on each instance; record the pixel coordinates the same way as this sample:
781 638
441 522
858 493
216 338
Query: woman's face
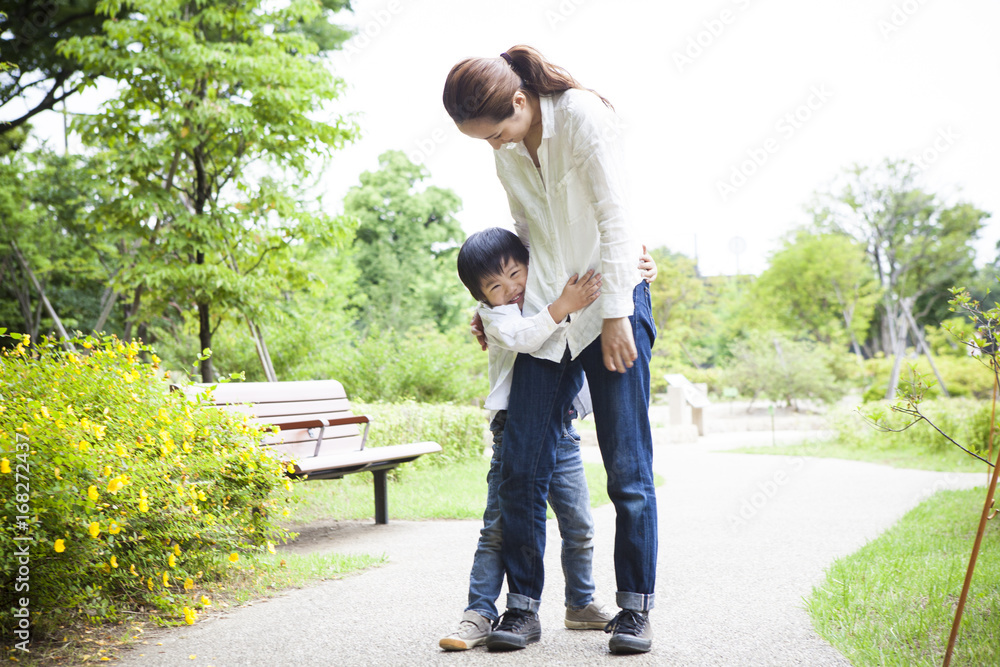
510 130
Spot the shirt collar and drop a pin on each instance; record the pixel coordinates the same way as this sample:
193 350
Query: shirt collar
547 107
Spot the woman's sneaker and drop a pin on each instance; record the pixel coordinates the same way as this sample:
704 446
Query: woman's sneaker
631 632
472 631
594 616
517 628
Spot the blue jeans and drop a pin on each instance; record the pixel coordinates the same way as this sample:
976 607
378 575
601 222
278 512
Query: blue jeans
570 502
621 414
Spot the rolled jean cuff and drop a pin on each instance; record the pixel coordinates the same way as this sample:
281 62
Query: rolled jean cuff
517 601
634 601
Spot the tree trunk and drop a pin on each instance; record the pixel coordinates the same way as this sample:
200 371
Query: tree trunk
899 349
922 344
261 347
132 314
41 295
109 304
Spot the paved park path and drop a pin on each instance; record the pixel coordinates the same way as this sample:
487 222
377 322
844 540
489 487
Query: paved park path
743 539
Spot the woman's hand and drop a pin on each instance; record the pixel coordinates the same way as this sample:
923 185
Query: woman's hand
647 266
618 344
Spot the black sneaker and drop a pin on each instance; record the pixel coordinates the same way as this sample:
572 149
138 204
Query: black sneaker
631 632
517 628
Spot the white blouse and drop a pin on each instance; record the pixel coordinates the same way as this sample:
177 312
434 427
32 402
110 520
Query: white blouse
571 212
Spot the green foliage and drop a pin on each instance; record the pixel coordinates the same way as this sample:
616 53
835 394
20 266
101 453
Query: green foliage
130 493
778 368
916 244
405 248
965 419
41 201
421 365
964 376
461 430
819 285
209 151
681 309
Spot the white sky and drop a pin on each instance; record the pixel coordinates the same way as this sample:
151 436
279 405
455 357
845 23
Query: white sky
885 78
889 93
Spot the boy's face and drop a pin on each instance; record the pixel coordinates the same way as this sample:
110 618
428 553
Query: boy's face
508 287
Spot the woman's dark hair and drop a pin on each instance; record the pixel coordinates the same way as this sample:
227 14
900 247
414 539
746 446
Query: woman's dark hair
483 255
485 87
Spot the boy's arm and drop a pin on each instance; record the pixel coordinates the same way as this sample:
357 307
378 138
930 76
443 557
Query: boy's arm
506 328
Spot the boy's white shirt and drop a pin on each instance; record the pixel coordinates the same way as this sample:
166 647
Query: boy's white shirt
572 213
508 332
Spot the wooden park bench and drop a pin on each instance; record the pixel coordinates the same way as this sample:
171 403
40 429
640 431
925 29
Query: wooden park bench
319 434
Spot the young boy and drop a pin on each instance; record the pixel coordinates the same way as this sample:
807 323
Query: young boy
493 265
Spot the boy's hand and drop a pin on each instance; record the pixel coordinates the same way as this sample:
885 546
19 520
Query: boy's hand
647 266
477 330
578 293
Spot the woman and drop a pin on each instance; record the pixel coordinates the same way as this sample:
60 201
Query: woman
558 155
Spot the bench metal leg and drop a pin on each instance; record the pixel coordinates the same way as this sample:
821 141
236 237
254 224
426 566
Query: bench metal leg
381 497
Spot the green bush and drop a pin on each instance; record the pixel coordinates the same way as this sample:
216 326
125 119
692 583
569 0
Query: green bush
460 430
421 364
130 494
773 366
965 420
964 376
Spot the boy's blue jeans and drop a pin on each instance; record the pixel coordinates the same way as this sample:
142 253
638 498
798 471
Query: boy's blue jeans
621 414
570 501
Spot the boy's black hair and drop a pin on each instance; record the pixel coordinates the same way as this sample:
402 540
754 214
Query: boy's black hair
483 255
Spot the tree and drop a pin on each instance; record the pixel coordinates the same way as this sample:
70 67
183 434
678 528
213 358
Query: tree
50 270
915 243
405 247
218 119
779 368
820 285
31 32
680 309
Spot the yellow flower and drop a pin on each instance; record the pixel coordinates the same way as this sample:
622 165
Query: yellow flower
92 492
270 548
142 493
94 529
56 473
188 584
166 579
45 412
114 561
115 484
107 471
120 451
114 528
4 466
233 557
205 601
143 505
172 560
131 569
177 550
149 583
189 615
99 434
201 496
60 546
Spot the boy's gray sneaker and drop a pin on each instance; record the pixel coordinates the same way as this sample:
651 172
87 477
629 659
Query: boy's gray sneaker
594 616
516 629
472 631
631 632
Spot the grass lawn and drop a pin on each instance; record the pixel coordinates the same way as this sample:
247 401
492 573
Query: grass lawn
893 601
455 491
947 459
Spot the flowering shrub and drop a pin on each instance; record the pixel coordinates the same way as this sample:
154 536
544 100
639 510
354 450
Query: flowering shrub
126 494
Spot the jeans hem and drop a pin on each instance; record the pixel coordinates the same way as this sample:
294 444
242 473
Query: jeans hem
635 601
516 601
